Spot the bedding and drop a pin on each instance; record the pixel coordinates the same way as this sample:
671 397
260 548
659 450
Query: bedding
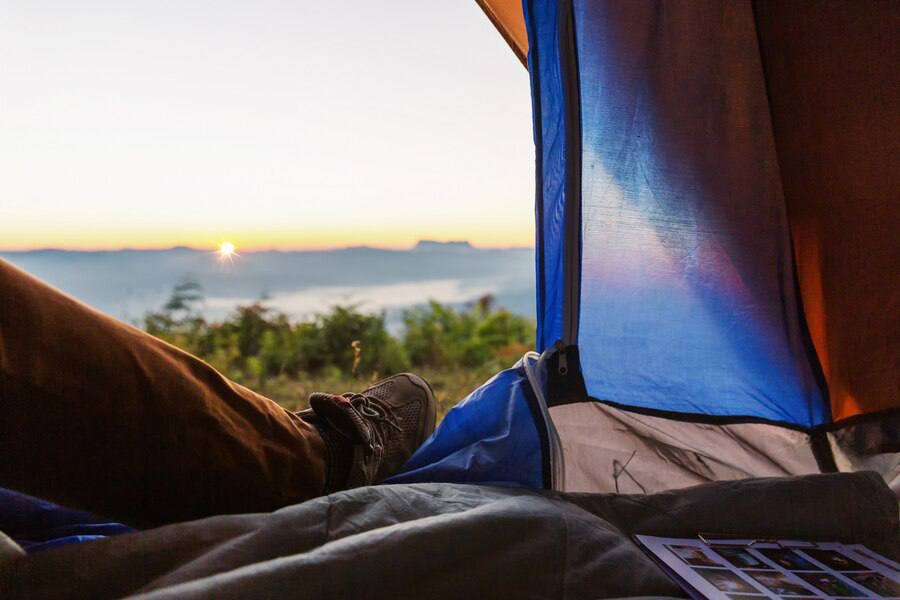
439 540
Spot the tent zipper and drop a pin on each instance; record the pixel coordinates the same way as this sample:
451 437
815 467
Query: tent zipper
567 383
572 227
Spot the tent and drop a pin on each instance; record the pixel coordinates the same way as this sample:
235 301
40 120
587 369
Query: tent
717 203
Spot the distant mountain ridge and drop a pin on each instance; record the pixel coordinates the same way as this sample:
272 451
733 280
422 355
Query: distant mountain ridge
126 283
432 246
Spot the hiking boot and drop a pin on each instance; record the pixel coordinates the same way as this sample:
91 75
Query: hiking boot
375 431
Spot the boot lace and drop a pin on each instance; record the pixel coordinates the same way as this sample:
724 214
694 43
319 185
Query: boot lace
377 413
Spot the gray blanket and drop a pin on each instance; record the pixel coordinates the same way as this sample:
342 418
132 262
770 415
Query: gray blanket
452 541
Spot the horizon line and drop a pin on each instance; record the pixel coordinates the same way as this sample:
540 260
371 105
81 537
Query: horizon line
256 249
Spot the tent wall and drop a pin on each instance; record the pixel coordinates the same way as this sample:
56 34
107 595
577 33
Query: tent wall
869 445
606 449
832 70
684 298
549 114
832 93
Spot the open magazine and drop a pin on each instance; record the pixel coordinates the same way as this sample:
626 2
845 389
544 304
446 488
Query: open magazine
729 569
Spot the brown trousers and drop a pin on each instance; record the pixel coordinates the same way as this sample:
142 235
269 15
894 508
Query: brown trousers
98 415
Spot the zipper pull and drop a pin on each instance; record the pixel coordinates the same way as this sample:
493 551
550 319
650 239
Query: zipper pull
563 362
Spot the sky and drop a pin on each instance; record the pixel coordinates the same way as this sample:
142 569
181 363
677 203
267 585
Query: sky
271 124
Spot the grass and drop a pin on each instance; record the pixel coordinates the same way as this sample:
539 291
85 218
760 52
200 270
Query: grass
450 386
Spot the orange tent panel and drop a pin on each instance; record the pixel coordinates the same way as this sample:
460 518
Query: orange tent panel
507 17
833 87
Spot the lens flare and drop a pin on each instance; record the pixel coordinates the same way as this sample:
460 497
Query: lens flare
227 251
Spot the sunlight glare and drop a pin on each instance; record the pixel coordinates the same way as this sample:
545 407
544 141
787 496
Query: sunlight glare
226 251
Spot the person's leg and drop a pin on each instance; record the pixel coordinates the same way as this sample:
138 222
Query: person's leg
99 415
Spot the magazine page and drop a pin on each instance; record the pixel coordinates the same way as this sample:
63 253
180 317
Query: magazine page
784 570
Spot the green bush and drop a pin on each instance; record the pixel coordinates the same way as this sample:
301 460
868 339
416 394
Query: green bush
375 350
441 336
256 343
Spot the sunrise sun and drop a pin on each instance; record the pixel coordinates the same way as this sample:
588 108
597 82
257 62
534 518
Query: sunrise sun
226 251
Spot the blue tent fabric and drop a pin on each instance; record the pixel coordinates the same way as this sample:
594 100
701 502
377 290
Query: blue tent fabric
37 524
549 136
491 436
688 301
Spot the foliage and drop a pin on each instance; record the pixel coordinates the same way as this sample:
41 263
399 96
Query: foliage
440 336
262 347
